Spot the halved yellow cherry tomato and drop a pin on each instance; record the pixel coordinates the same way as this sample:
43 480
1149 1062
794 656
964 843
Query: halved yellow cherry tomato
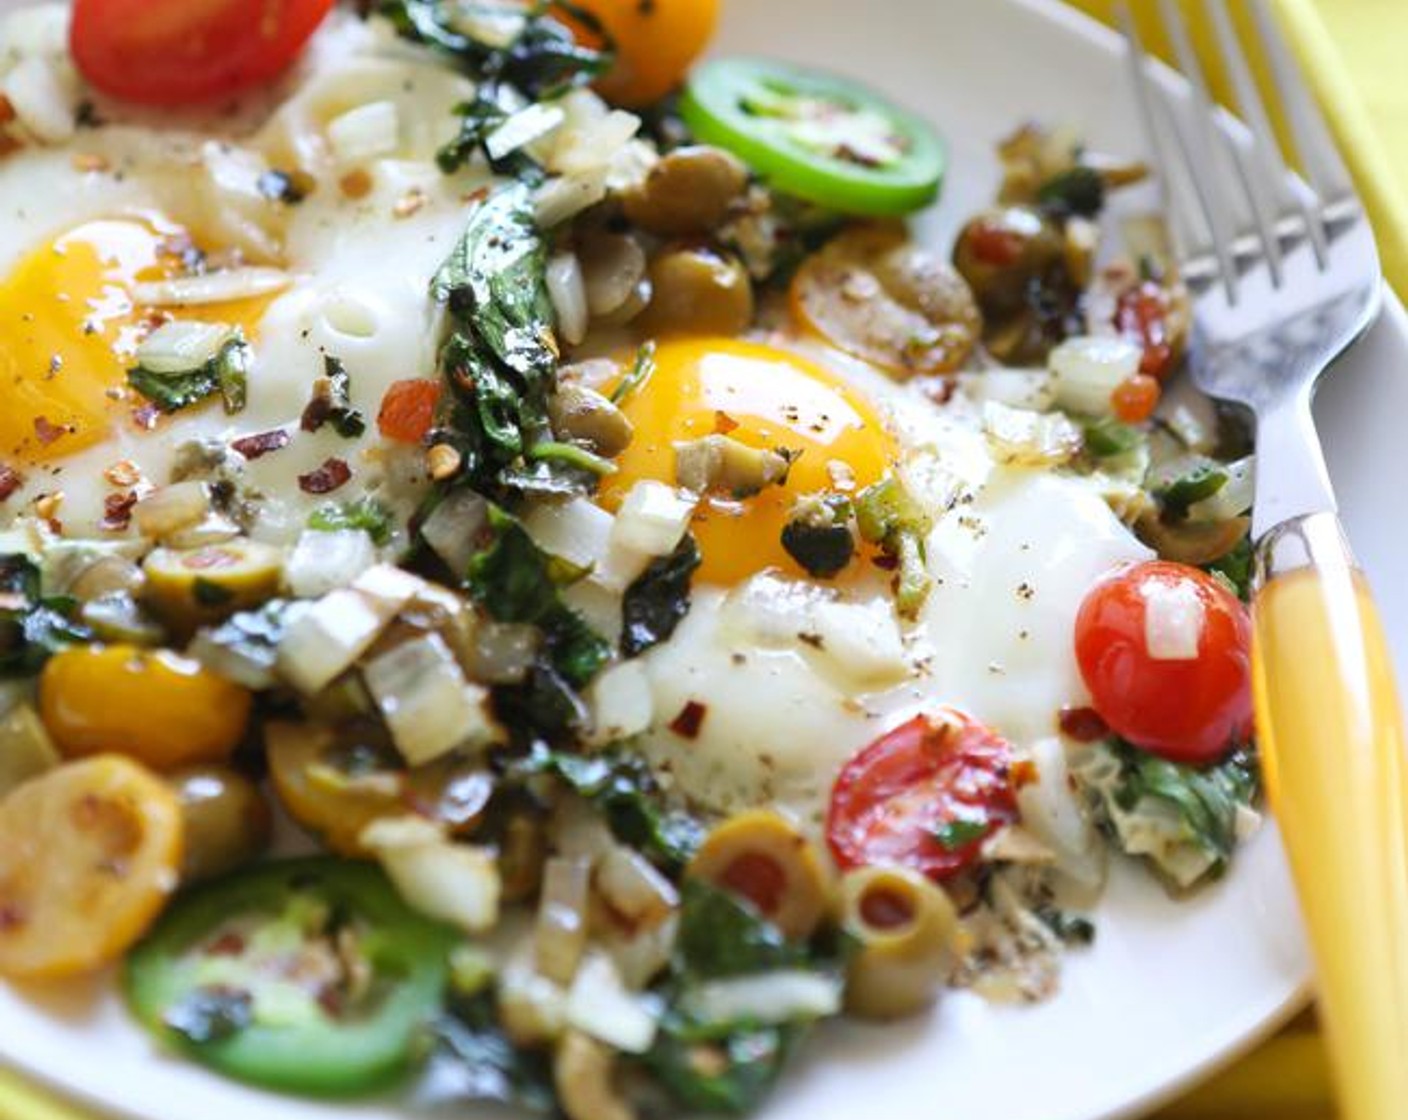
89 853
156 706
656 42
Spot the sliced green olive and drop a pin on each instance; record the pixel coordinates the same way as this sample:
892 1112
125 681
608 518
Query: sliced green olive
819 535
698 290
585 416
189 587
227 821
688 192
717 462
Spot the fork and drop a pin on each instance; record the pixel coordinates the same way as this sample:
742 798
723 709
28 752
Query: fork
1285 277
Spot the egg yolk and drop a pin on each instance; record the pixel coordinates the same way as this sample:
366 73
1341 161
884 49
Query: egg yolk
69 329
765 398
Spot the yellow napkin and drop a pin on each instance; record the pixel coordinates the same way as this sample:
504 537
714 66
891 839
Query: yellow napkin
1353 49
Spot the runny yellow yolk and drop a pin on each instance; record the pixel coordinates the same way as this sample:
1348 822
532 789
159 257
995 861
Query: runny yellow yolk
69 329
763 397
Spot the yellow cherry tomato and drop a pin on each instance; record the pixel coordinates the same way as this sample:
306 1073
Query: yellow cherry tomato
656 43
89 853
156 706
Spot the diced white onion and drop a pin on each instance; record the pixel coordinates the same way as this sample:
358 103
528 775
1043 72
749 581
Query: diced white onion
365 133
613 266
585 145
213 528
523 128
1020 438
324 561
1173 620
429 707
495 25
453 527
42 104
1234 499
569 297
532 1008
600 1004
769 997
641 954
326 639
634 888
171 509
560 935
504 652
577 531
1089 369
211 287
653 519
454 883
621 702
182 345
563 198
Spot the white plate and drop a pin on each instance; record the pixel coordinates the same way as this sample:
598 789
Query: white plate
1170 990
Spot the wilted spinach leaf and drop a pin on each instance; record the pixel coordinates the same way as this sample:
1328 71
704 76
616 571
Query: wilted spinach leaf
366 514
657 602
712 1070
32 627
471 1059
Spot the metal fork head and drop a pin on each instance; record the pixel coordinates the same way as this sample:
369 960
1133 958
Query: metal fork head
1284 270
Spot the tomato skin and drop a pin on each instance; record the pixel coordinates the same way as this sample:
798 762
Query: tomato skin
408 410
173 52
1142 317
893 797
1185 711
656 43
1135 399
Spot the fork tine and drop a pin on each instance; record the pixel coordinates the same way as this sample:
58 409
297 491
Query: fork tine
1264 154
1173 162
1205 137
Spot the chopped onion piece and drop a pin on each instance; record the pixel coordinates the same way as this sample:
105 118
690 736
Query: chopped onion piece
324 561
600 1004
1020 438
172 508
326 640
560 937
429 707
365 133
1089 369
453 527
211 287
182 345
653 519
1233 499
577 531
642 954
568 292
532 1008
40 101
769 997
621 702
1034 389
634 888
586 145
454 883
525 127
562 199
504 652
1173 621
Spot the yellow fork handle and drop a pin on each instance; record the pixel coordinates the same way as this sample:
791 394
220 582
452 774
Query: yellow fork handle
1331 733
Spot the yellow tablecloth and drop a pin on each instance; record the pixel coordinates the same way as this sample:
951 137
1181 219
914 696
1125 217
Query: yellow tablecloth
1354 49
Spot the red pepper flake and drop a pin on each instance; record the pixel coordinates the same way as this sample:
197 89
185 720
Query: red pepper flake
47 432
229 944
1084 725
10 482
724 423
264 443
12 917
885 562
325 479
691 718
1023 773
145 416
117 511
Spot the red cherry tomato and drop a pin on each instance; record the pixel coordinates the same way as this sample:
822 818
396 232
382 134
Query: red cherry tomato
925 796
408 410
1187 710
172 52
1142 317
1135 399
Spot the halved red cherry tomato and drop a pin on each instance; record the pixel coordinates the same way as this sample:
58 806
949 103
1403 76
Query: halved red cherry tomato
924 796
1192 710
1142 316
408 410
171 52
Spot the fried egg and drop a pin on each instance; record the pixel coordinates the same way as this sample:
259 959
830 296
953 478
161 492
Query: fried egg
86 229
